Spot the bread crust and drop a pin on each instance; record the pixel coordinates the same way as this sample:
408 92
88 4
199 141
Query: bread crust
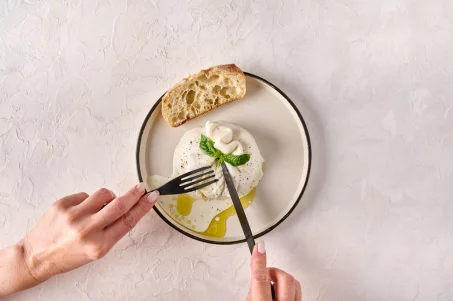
173 106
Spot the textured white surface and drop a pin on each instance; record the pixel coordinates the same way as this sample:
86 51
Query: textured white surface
372 78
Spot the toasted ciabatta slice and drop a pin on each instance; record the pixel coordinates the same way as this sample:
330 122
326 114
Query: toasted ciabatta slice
203 92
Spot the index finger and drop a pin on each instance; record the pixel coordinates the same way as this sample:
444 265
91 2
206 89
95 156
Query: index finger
118 207
128 221
298 292
260 282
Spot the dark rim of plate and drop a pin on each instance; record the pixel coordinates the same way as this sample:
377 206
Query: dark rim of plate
304 125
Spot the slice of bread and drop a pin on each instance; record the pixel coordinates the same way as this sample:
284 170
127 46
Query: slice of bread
202 92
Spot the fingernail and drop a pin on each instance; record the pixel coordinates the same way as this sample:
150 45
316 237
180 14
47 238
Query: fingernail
152 197
141 187
261 247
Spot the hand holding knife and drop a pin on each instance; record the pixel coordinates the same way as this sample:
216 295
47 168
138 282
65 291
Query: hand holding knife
241 213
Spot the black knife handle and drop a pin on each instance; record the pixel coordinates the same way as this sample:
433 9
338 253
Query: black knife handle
250 242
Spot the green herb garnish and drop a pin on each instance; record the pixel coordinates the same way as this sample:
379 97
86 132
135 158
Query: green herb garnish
207 146
220 161
236 160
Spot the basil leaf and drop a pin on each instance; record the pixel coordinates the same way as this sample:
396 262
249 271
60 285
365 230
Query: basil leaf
221 159
207 146
236 160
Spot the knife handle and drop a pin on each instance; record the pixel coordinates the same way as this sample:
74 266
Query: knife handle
251 243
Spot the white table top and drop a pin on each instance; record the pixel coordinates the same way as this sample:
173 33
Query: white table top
372 78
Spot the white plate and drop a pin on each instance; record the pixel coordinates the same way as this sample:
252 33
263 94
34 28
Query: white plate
282 137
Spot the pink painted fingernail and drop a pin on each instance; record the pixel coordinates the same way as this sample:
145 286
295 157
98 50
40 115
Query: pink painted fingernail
141 187
261 247
152 197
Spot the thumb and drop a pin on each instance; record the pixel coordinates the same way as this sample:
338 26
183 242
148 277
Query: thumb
260 286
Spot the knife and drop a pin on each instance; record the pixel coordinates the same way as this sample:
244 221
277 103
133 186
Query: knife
241 214
238 207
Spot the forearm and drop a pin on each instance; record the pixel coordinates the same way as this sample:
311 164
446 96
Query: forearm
15 275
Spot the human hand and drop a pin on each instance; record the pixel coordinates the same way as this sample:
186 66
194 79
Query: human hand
75 231
286 287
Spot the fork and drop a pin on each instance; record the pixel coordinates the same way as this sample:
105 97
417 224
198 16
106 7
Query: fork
187 182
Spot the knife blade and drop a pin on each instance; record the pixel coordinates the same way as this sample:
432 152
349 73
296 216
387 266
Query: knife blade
238 207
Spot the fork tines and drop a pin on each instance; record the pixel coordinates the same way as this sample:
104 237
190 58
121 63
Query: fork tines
198 176
188 181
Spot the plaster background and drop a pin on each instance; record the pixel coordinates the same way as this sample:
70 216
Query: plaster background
372 78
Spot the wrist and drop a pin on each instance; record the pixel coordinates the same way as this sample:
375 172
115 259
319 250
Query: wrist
36 269
15 275
25 264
